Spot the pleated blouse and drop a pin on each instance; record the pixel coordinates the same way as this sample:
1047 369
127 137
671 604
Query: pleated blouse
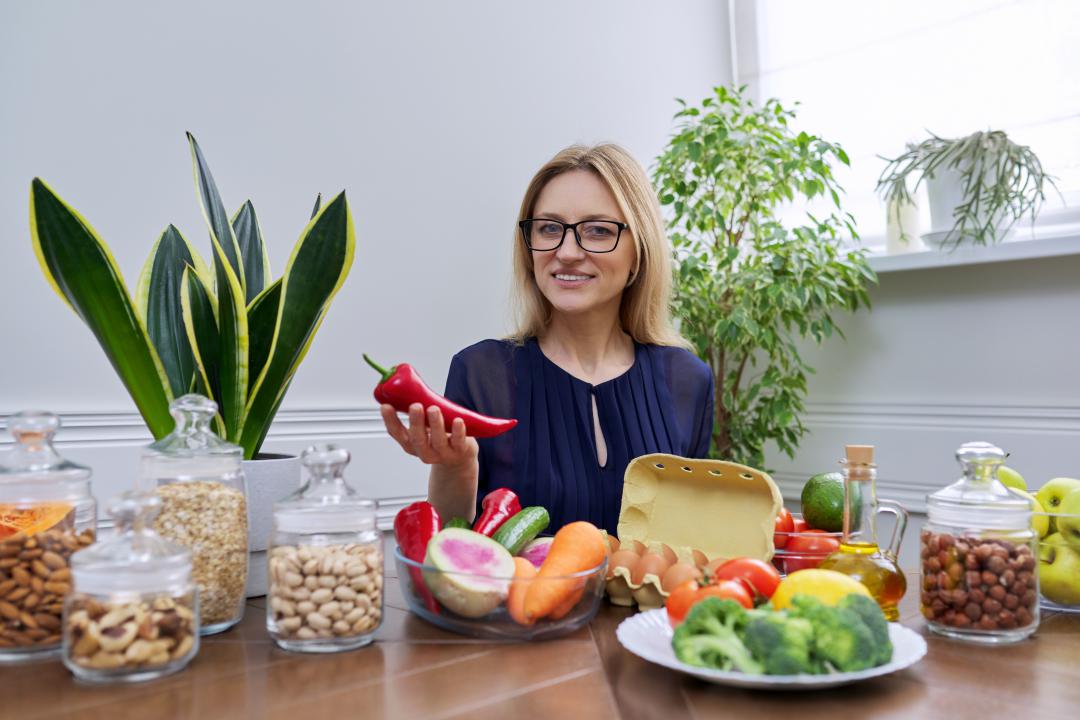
663 403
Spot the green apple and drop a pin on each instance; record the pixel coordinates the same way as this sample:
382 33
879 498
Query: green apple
1051 494
1068 522
1040 521
1011 478
1059 570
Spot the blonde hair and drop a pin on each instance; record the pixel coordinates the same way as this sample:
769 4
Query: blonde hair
645 311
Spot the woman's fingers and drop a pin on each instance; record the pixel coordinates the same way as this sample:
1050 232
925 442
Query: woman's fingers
438 431
395 428
418 432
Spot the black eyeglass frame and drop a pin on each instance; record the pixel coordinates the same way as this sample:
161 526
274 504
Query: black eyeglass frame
577 235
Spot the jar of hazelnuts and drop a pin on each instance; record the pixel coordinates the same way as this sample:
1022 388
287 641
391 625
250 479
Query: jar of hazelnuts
978 556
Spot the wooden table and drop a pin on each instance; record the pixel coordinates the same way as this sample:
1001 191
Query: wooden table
418 671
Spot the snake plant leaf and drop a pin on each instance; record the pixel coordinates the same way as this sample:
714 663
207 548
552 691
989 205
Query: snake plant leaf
319 264
262 319
80 268
214 211
233 345
201 331
318 202
157 299
253 253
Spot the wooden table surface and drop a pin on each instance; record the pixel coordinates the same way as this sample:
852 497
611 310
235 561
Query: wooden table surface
415 670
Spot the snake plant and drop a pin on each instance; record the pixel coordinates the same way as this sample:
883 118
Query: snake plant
223 329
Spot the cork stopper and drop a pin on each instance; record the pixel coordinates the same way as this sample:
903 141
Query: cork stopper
859 454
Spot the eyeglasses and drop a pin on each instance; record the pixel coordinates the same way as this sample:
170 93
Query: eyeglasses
595 236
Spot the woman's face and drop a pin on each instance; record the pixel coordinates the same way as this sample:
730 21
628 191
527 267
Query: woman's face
575 281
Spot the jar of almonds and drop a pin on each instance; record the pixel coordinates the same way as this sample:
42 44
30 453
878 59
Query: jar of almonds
978 555
46 514
200 480
326 562
133 612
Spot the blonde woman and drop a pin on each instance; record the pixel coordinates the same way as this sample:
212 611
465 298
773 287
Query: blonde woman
596 374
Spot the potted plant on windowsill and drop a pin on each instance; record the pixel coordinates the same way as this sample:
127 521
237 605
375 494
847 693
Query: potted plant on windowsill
225 329
749 286
978 186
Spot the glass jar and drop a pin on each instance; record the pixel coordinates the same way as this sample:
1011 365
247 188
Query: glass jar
200 480
978 557
46 514
325 562
133 611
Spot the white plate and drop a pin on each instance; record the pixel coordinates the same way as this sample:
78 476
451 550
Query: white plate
648 635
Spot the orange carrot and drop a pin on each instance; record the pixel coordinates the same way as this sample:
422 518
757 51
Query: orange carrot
577 547
524 572
569 603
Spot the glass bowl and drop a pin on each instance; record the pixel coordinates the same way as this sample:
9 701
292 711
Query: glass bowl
1059 561
802 550
496 623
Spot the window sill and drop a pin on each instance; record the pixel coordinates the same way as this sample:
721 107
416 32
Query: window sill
1049 242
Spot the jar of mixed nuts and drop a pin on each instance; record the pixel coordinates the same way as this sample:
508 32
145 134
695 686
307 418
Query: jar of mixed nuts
978 555
133 613
326 562
46 514
200 480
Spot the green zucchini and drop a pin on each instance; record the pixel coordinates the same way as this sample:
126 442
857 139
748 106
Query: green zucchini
457 522
519 531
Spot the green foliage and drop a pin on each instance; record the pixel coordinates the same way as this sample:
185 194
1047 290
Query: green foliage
223 330
1002 182
747 286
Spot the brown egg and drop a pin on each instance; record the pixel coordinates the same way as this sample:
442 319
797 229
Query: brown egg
622 558
613 544
636 545
668 554
700 559
677 574
650 564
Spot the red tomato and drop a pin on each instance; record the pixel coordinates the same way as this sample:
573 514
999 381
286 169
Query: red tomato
730 589
784 525
799 525
758 574
808 550
680 600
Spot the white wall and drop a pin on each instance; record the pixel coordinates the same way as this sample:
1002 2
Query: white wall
432 115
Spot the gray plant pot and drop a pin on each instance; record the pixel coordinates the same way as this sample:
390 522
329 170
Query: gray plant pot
269 478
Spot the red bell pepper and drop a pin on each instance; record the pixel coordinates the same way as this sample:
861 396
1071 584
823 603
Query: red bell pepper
414 526
401 386
497 507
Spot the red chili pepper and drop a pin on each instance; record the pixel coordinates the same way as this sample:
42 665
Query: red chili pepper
401 386
497 507
414 526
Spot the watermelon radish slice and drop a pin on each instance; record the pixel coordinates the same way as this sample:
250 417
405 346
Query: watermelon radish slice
475 571
536 551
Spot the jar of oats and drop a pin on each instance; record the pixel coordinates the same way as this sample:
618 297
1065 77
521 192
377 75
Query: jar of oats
132 613
200 480
46 514
326 563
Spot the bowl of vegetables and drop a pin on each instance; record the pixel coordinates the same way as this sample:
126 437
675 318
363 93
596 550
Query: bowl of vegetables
500 580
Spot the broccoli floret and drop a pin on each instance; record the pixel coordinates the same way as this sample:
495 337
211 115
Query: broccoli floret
870 612
781 643
708 637
841 638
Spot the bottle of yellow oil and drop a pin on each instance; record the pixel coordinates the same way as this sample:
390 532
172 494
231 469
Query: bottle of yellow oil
860 556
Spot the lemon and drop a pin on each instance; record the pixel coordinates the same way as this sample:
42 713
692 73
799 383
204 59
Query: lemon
828 586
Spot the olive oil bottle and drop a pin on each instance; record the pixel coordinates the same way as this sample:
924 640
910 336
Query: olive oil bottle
860 556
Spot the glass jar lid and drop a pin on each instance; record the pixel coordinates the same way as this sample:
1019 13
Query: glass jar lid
325 502
979 499
31 470
192 451
135 559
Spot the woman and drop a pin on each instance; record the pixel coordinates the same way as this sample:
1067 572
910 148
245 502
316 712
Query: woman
596 374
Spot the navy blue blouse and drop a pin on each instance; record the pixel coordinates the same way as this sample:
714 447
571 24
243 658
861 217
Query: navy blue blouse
663 403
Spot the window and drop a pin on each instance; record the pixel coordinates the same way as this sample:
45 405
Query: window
875 75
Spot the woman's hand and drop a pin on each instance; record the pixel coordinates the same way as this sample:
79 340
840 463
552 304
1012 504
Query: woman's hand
426 437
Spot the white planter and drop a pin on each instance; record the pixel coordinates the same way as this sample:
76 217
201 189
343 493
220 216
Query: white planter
269 478
945 192
902 228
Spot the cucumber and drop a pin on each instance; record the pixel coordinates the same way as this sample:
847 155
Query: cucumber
457 522
518 531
